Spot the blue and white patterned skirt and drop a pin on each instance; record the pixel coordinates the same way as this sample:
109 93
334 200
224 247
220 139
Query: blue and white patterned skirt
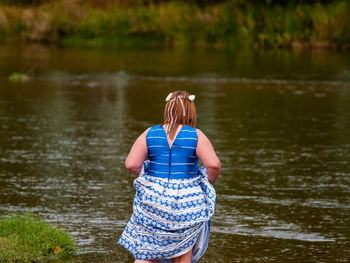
170 217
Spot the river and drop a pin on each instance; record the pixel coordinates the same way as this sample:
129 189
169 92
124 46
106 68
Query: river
279 122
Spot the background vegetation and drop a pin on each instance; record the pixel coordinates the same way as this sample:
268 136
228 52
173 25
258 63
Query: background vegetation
257 23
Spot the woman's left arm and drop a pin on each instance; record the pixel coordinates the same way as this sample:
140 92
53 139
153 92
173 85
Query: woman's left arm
137 154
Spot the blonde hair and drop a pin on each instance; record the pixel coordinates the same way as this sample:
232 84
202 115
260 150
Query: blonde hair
179 110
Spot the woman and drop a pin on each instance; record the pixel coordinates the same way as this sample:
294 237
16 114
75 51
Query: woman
174 198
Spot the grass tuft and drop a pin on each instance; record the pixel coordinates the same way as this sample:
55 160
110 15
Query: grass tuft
24 238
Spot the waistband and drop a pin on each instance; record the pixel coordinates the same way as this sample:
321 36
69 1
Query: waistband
173 176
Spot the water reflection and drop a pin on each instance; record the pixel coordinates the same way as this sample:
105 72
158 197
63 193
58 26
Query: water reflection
281 134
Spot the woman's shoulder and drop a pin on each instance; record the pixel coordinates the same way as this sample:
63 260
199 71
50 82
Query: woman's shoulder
145 132
199 132
157 127
154 129
201 135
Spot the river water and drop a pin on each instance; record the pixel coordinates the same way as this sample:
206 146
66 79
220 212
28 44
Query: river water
279 121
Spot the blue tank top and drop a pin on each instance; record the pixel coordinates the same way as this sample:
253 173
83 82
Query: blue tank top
178 162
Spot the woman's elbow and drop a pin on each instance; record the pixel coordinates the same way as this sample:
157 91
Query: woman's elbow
131 167
213 170
215 165
219 167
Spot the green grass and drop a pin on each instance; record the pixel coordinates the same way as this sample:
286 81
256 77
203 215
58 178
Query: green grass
24 238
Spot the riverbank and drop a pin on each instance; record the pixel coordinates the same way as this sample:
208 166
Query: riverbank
227 24
24 238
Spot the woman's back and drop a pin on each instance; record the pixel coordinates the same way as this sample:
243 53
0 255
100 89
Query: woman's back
179 160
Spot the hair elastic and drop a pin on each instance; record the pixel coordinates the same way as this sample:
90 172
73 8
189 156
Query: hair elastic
169 96
191 97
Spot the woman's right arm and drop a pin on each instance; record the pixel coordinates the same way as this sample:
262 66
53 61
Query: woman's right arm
207 155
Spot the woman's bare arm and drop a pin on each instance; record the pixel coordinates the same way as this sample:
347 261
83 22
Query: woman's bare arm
207 155
137 154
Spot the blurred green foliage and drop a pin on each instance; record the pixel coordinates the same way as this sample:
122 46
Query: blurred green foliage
202 3
264 23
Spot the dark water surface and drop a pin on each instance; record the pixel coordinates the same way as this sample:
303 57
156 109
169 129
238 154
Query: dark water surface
279 121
